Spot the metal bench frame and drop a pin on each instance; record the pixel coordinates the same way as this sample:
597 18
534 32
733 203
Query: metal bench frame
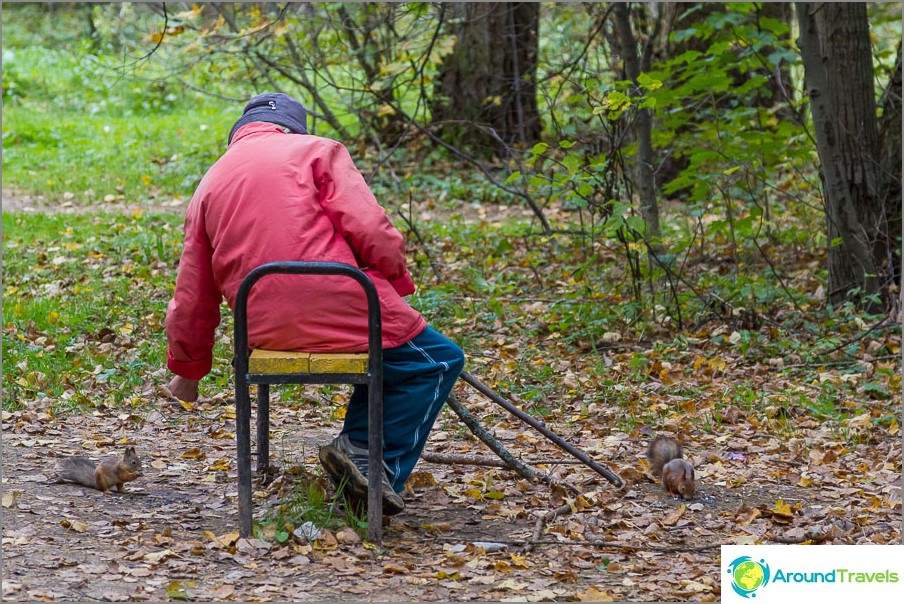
243 379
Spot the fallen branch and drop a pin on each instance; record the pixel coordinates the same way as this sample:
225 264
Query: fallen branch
590 542
453 459
489 440
542 429
524 470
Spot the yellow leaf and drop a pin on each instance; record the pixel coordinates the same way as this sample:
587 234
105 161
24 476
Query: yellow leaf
782 508
805 482
225 540
395 568
194 453
155 37
53 316
474 494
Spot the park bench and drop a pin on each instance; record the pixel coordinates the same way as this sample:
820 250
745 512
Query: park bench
266 367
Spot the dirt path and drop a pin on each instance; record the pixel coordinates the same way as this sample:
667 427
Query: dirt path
65 542
15 201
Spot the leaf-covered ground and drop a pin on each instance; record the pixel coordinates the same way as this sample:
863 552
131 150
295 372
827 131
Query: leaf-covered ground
790 445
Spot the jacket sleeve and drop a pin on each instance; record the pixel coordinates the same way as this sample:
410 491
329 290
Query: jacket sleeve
194 311
358 217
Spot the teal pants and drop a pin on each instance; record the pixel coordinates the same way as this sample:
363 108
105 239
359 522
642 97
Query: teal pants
417 378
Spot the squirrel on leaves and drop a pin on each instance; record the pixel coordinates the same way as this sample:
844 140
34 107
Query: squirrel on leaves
666 460
111 471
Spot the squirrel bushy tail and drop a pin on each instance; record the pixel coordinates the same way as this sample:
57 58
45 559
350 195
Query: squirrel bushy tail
78 470
661 451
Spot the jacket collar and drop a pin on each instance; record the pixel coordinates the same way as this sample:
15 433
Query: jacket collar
255 128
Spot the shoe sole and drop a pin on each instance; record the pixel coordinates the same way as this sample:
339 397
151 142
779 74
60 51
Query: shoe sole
343 472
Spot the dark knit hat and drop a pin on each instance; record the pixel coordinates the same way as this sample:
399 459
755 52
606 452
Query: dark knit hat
276 108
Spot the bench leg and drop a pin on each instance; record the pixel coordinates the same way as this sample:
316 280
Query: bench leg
243 449
263 428
375 464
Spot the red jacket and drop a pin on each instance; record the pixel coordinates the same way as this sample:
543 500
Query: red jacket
276 196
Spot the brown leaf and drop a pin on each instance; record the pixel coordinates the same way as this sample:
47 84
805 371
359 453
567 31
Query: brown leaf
592 594
223 591
676 515
348 536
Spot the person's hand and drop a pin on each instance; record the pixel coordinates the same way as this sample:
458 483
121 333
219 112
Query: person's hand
184 389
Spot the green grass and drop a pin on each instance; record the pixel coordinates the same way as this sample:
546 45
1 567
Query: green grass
76 130
307 501
83 305
101 157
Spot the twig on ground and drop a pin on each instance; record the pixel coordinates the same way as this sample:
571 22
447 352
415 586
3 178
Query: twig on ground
485 460
589 543
542 520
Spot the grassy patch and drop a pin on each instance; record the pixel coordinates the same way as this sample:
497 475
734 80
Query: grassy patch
84 301
307 501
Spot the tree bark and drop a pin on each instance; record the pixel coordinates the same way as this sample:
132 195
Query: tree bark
489 79
645 173
890 153
838 74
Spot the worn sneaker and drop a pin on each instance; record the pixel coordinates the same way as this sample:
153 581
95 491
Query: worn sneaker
346 466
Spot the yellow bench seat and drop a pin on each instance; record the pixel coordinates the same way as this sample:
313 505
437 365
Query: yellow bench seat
269 362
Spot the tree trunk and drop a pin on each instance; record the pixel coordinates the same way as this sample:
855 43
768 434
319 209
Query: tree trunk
490 77
838 73
890 154
643 131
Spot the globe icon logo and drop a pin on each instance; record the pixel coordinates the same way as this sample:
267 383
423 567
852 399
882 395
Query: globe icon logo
748 575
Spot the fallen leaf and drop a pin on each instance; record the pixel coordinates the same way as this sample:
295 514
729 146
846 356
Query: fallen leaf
592 594
157 557
10 498
223 591
76 525
194 453
348 536
674 516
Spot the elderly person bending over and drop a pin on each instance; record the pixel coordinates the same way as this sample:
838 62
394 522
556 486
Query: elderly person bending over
277 194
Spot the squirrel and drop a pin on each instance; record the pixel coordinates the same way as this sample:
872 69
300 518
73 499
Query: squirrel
666 460
101 476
